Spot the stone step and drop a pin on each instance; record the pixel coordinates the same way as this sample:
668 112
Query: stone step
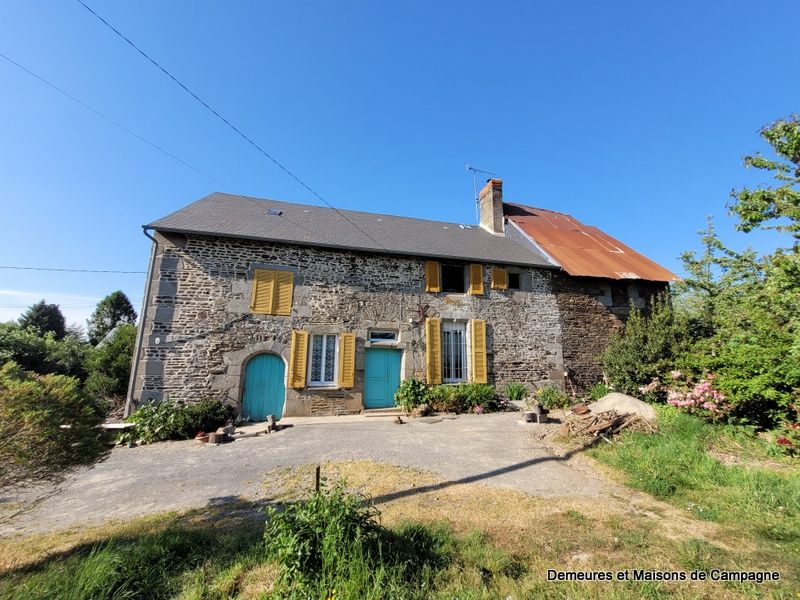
391 411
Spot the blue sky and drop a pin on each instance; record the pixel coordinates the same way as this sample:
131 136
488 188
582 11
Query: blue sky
632 116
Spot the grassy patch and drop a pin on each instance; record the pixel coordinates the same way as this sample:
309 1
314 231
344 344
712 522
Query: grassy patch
435 541
756 499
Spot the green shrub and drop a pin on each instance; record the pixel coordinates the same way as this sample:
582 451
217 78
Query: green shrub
206 416
597 391
552 397
168 420
516 391
477 394
333 541
644 351
410 394
443 398
155 421
301 535
47 427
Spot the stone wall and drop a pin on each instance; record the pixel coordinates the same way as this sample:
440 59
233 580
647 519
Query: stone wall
592 310
199 333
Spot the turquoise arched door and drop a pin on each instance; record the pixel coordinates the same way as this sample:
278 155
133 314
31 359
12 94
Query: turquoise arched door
264 387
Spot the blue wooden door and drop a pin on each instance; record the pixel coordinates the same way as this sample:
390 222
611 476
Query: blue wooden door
381 377
264 387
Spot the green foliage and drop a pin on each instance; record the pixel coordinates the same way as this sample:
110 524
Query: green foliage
478 394
644 350
461 398
206 416
155 422
167 563
44 318
675 465
598 390
552 397
410 394
109 364
168 420
47 427
779 207
442 398
113 310
42 354
333 541
516 391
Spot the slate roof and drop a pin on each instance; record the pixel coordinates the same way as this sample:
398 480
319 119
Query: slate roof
583 250
245 217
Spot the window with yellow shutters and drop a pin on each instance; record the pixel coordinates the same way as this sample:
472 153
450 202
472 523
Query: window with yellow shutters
476 279
347 359
272 292
433 352
479 368
298 358
432 276
499 278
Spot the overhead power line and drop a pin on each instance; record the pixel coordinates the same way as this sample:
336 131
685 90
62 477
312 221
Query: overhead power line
73 270
112 121
214 112
129 131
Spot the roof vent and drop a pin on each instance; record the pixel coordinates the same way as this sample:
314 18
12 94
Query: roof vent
274 212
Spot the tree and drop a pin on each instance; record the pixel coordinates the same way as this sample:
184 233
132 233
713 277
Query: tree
47 427
779 207
43 318
746 307
110 312
110 364
42 354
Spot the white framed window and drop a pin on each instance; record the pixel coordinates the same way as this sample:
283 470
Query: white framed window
382 336
322 364
454 352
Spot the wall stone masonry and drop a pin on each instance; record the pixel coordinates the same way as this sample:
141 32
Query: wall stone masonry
199 333
592 311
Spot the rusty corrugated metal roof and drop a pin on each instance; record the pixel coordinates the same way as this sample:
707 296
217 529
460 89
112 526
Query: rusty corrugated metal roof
583 250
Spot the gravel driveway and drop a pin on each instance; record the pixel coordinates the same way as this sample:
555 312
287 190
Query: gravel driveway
494 450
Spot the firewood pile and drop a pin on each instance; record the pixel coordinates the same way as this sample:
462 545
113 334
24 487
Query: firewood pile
605 424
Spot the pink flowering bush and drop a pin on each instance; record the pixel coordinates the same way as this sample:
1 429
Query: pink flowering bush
700 398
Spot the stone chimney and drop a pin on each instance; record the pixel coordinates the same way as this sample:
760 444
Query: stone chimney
491 203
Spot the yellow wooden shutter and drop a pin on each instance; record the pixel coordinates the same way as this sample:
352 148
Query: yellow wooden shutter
263 294
432 276
297 359
476 280
347 359
433 355
499 278
479 351
284 286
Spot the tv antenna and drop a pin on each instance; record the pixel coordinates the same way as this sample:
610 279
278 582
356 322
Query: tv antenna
475 172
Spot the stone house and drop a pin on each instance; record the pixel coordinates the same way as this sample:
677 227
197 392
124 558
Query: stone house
287 309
